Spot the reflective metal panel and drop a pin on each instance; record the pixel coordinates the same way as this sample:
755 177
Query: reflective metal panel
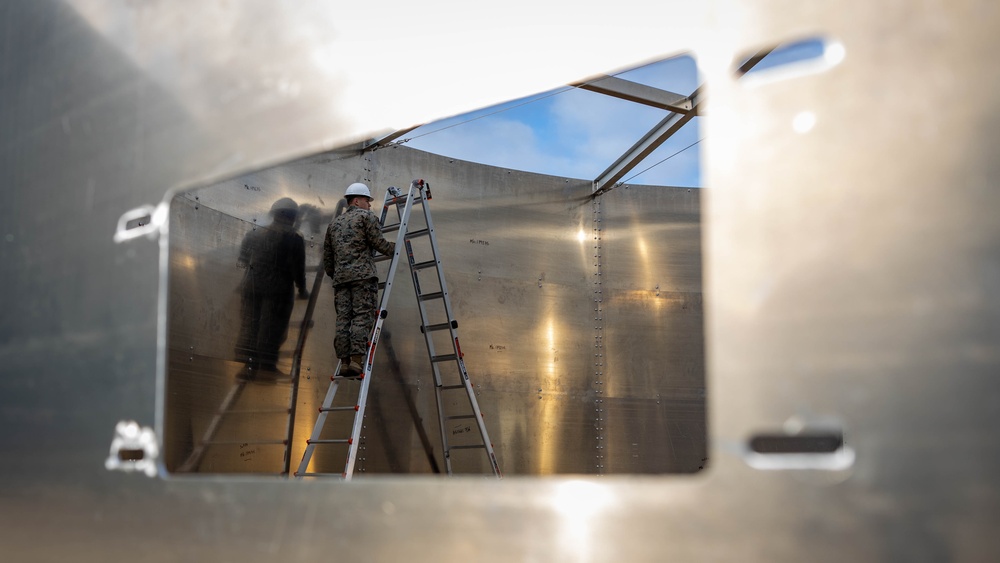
522 254
653 325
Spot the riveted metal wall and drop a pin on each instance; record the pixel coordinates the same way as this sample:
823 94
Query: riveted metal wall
533 268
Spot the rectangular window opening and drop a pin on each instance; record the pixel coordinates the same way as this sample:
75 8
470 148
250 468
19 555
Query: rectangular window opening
579 318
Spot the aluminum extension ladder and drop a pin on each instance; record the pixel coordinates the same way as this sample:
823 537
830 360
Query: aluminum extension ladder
418 194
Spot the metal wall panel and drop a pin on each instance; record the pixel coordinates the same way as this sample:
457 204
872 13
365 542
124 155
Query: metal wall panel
653 329
521 253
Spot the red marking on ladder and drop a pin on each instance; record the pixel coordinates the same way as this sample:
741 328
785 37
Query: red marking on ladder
356 408
459 348
350 440
371 350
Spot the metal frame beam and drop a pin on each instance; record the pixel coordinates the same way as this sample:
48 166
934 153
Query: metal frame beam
752 62
646 145
663 130
683 109
638 93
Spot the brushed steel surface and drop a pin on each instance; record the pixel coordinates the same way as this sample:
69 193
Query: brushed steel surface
849 277
521 254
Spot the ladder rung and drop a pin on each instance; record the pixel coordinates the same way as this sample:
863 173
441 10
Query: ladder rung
406 230
401 200
248 442
439 326
331 409
265 411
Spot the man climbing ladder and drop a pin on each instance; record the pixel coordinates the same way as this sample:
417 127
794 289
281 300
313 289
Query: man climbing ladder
348 252
418 193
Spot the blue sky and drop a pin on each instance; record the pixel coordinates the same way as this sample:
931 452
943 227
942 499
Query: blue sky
576 133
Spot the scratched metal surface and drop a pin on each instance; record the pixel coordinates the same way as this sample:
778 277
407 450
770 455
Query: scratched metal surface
849 274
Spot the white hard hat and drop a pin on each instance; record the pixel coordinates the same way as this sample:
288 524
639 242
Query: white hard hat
357 188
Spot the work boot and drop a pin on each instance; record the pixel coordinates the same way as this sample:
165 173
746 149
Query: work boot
357 364
346 370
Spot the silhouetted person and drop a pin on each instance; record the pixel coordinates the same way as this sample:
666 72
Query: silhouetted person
274 259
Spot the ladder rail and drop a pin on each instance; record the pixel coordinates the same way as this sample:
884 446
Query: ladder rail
353 440
415 267
418 193
376 333
452 327
478 413
331 393
429 344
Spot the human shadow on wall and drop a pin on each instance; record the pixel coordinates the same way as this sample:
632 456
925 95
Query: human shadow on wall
273 258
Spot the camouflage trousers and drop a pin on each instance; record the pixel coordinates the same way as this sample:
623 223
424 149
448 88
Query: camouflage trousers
356 304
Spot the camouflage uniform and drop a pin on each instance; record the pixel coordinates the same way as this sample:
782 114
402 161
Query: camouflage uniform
347 258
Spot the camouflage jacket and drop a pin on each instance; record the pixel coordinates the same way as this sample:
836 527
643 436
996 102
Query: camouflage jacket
347 250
